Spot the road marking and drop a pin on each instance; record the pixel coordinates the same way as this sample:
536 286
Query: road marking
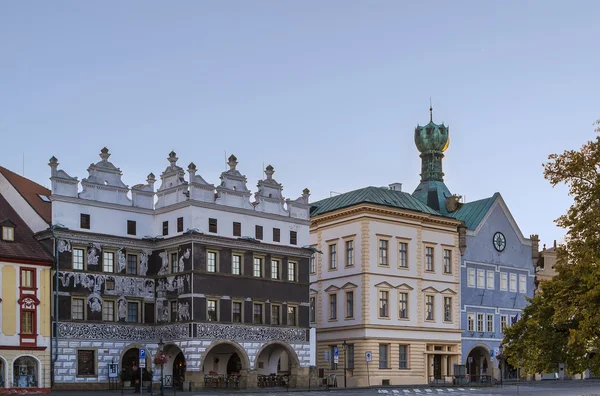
417 390
450 390
461 389
395 391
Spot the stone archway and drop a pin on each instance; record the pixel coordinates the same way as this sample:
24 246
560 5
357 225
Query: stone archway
278 360
3 373
225 361
174 370
130 355
479 364
26 372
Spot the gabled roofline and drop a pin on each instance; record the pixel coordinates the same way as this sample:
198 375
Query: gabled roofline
499 201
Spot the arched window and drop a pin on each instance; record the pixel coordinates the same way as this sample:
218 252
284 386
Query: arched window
25 372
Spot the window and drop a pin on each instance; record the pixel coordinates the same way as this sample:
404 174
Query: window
8 233
132 264
349 253
429 307
258 314
471 277
313 264
333 307
471 321
403 358
180 224
349 304
275 314
237 229
480 322
503 322
293 238
236 310
447 309
108 311
331 351
27 279
383 252
480 279
78 259
522 284
447 261
313 309
211 262
274 269
490 280
350 356
383 356
86 363
212 225
332 256
291 271
173 311
26 322
77 307
513 282
403 305
165 228
276 235
84 221
291 316
131 227
108 262
211 310
490 323
259 232
503 281
236 265
174 263
429 259
132 312
383 303
403 255
258 267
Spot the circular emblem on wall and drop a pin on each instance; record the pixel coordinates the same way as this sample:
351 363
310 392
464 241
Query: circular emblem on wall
499 241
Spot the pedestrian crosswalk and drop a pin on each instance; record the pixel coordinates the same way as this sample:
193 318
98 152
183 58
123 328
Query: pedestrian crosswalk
425 391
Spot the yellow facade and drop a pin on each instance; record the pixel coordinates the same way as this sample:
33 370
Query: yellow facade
9 300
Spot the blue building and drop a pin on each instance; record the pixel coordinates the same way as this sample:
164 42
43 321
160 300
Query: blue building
497 263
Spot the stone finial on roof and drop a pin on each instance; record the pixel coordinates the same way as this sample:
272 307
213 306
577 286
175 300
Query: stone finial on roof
53 165
232 162
104 154
151 179
173 159
269 172
192 166
192 171
306 193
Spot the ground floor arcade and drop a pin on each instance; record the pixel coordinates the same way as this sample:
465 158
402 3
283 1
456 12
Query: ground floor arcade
25 370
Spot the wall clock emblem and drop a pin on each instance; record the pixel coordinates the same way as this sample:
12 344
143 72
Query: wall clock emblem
499 241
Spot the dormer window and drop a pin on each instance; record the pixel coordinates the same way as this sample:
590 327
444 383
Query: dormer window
8 233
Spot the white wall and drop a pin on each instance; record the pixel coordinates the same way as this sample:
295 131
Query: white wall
20 205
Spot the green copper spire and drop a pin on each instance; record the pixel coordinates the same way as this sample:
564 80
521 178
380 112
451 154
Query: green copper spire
432 140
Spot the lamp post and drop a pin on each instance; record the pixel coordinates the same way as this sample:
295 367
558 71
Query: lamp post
345 346
161 345
52 230
500 349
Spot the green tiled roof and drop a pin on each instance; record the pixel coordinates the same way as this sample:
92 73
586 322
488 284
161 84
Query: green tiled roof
374 195
433 194
472 213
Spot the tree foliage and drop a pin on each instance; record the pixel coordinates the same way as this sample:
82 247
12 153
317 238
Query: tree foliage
562 323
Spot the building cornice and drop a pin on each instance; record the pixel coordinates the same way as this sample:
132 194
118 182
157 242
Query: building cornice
387 327
366 209
179 205
84 238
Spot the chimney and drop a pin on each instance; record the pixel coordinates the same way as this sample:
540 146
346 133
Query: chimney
396 186
555 243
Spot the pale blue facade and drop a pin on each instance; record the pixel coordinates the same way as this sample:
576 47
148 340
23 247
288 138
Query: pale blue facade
494 285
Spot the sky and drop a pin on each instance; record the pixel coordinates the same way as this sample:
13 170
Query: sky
329 93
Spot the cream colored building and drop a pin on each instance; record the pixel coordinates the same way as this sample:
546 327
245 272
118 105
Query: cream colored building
385 279
545 269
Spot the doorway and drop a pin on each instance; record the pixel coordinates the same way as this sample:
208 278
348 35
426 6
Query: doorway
437 366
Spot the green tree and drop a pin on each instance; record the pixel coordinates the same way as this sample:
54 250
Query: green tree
562 323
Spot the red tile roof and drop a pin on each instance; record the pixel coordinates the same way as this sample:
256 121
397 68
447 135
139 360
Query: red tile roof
25 246
30 190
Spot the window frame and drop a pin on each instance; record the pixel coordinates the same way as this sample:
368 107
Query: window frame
237 229
384 364
293 238
522 284
30 314
513 282
174 261
349 304
313 264
275 264
106 303
277 308
180 224
83 310
30 271
447 268
215 254
471 277
128 262
406 354
400 302
233 313
239 263
428 298
216 311
173 313
349 251
276 234
94 352
333 257
165 228
349 352
503 322
213 225
383 310
383 252
488 322
471 321
8 233
261 269
138 312
403 254
292 271
262 312
429 263
105 255
480 322
490 279
85 221
503 281
312 309
480 278
83 255
448 317
295 312
131 227
258 232
333 306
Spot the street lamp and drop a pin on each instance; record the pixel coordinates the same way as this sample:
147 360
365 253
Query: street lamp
345 346
500 349
52 229
161 345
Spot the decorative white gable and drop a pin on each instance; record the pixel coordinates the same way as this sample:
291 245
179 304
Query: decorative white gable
233 190
269 197
200 190
104 182
173 188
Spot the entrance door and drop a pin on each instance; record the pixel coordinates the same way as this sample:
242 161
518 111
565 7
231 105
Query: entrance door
179 367
437 366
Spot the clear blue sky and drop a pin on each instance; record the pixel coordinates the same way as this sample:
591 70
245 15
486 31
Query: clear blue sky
328 92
